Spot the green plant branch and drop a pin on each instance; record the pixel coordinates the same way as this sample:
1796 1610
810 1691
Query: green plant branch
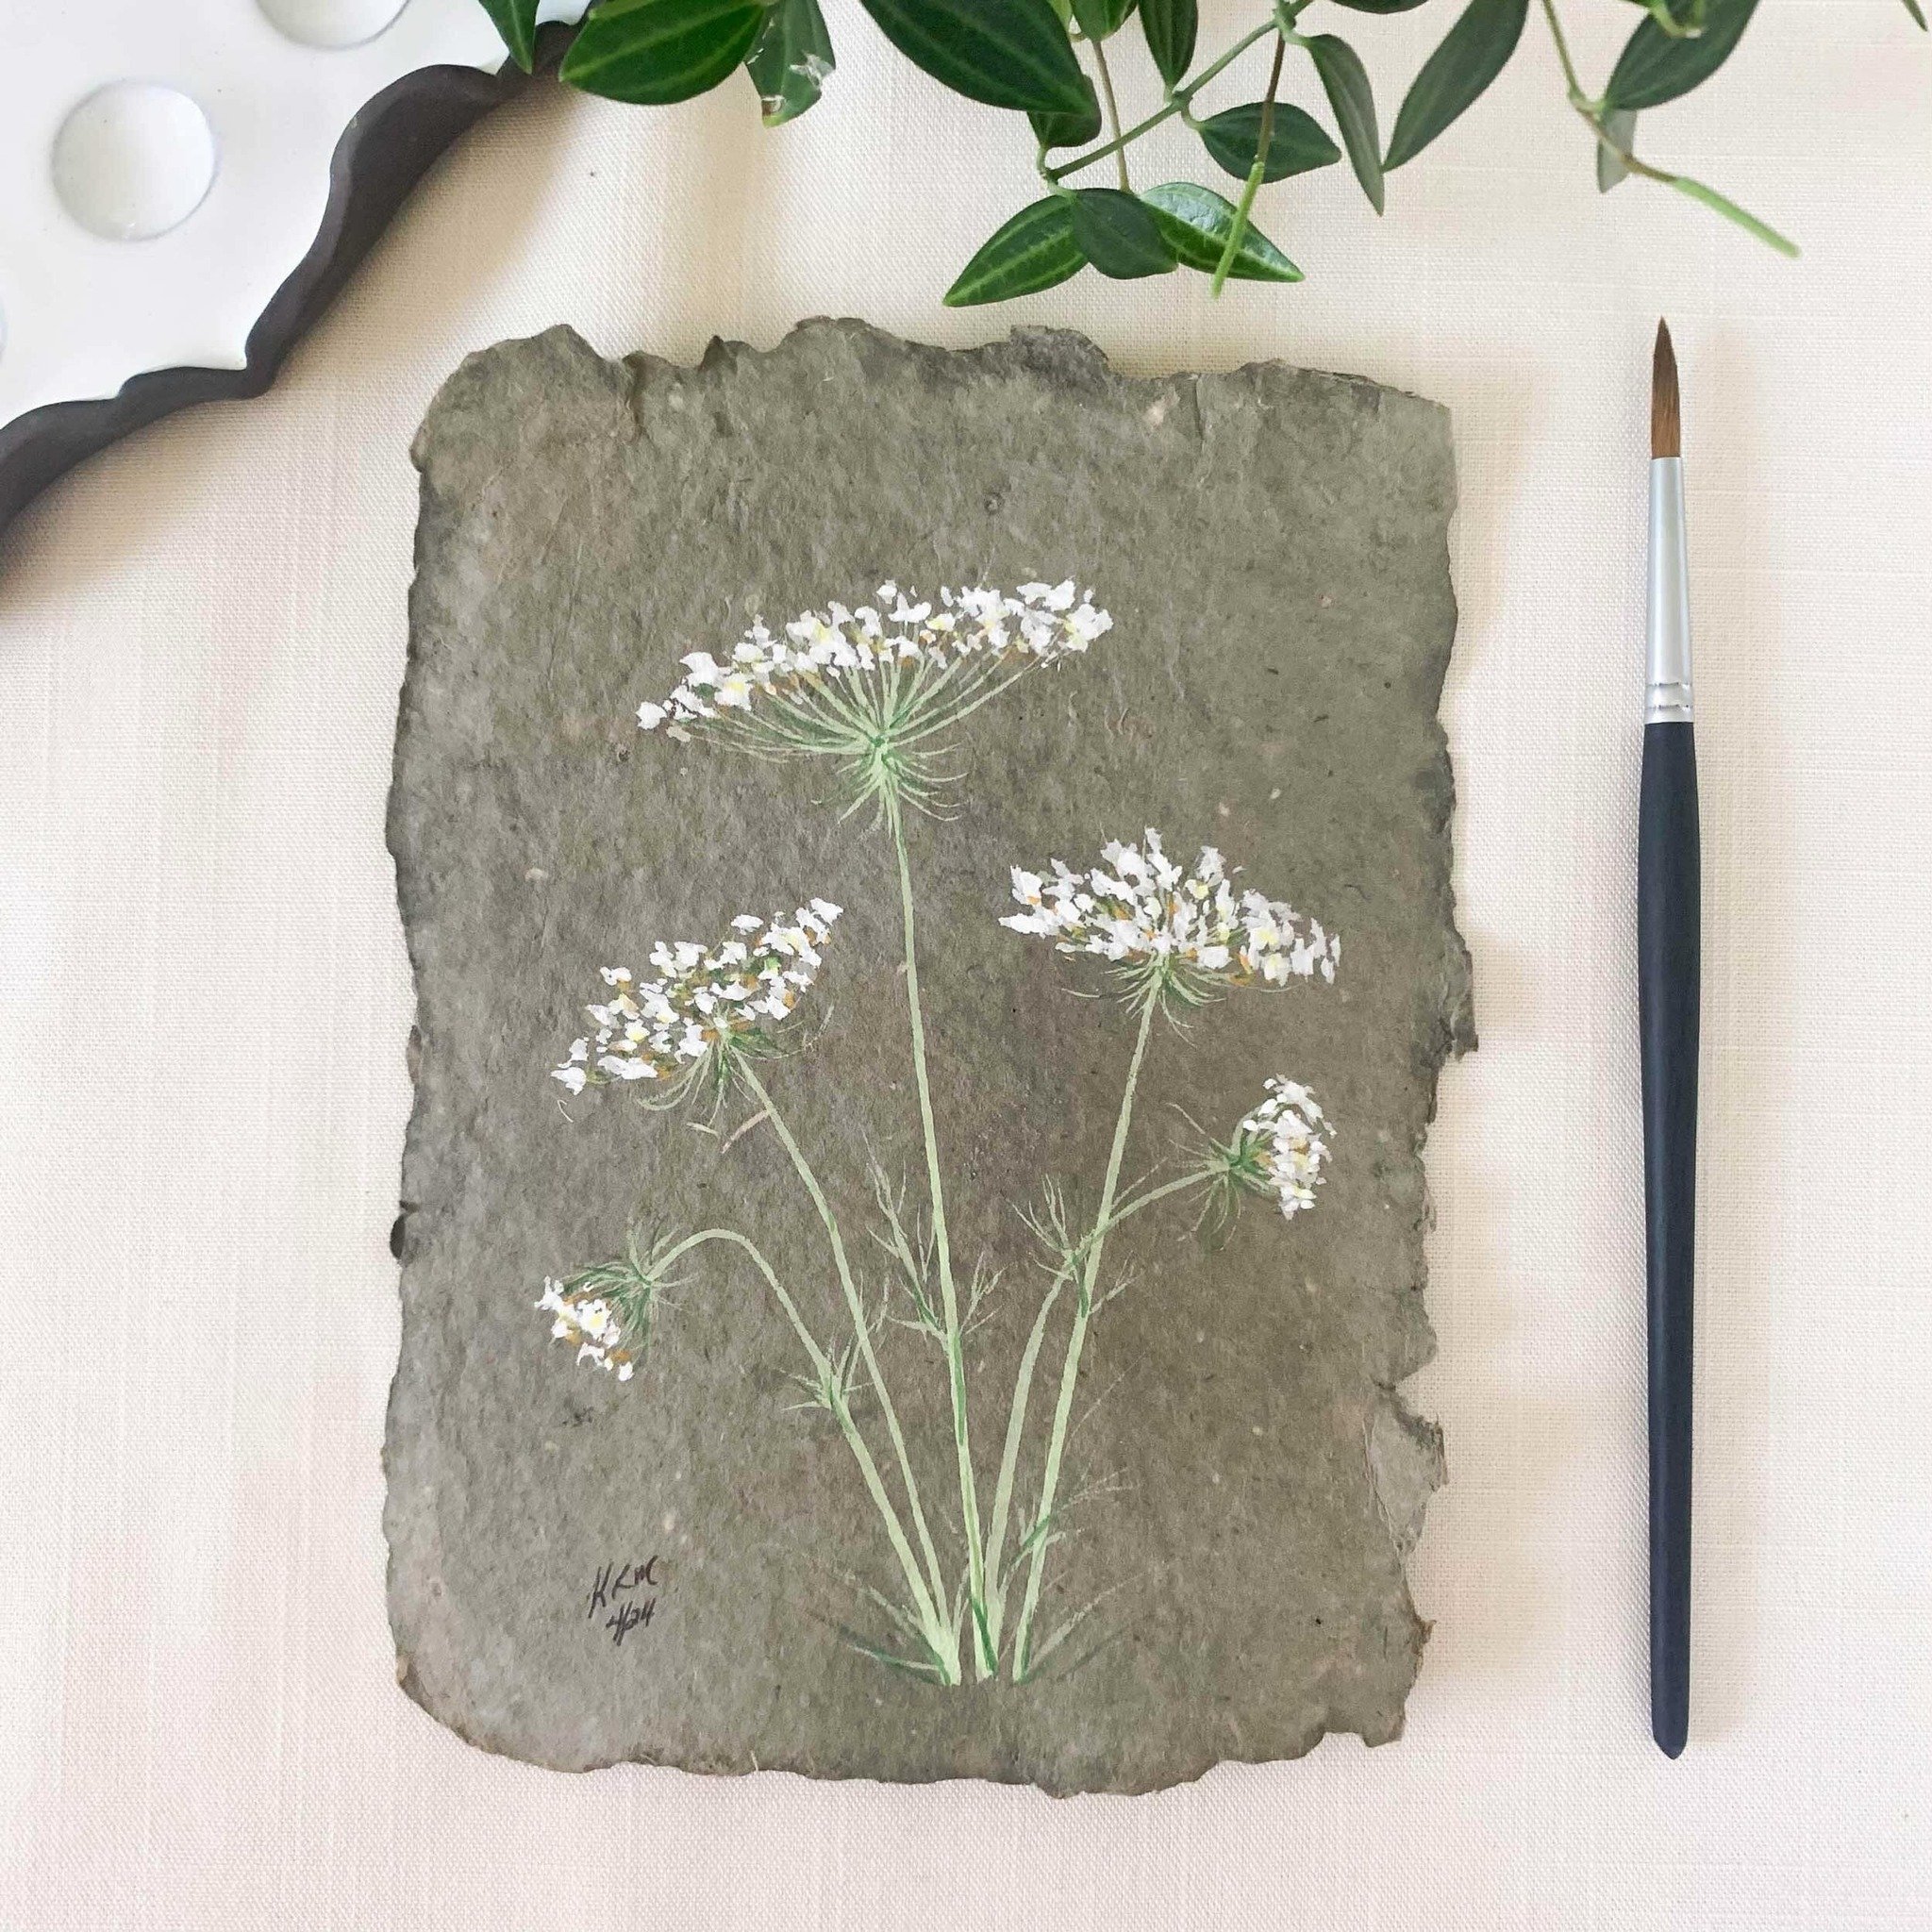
1256 174
1076 1340
1113 114
987 1662
855 1306
1592 114
1178 102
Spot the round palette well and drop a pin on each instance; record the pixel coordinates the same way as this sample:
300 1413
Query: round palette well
164 171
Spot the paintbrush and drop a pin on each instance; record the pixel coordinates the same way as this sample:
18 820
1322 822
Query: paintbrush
1667 978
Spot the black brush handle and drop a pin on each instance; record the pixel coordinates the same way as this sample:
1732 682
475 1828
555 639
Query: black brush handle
1667 968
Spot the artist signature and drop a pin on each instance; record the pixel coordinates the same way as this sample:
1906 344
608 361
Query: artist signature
618 1594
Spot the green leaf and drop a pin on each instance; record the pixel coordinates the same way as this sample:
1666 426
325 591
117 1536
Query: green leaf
1298 142
1195 222
1119 234
790 59
1917 11
1620 123
650 52
1471 54
1346 82
1732 212
516 21
1170 27
1069 131
1655 66
1006 53
1035 250
1100 19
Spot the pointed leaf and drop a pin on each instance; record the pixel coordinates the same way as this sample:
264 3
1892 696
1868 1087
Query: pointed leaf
1069 131
1170 27
516 21
1655 66
1035 250
1006 53
1471 54
1917 11
790 59
1119 234
1346 82
1100 19
1195 222
1620 123
650 52
1298 142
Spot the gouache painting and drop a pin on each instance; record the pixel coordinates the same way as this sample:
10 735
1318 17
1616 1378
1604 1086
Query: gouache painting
928 881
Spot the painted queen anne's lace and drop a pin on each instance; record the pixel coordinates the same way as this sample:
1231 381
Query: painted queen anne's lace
978 626
1137 908
700 1000
593 1322
1284 1139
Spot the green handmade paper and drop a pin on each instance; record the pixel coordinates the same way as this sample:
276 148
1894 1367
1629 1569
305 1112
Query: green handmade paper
928 880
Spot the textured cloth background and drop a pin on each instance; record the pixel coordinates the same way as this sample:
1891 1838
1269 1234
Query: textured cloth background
203 1001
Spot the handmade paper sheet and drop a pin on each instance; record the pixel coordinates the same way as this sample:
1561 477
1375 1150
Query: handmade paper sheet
928 878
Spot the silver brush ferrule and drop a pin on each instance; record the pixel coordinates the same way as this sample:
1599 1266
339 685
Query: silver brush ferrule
1669 596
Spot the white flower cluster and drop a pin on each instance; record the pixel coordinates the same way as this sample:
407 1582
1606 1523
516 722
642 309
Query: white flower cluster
1139 906
593 1323
1285 1140
1038 622
667 1026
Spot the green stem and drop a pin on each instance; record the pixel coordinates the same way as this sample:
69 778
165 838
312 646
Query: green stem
1113 115
1083 1315
1176 103
863 1328
819 1360
1023 1394
987 1661
931 1614
1256 174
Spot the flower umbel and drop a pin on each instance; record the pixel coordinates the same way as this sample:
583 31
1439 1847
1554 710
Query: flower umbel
703 1007
876 686
591 1320
1169 932
1284 1140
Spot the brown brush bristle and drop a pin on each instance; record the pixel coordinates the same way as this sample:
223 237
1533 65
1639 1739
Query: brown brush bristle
1666 429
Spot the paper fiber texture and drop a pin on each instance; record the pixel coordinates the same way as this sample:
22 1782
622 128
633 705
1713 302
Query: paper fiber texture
721 1523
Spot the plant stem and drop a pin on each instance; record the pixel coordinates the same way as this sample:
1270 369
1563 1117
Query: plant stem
1256 174
1113 115
1592 114
1178 102
987 1661
930 1613
1022 1393
855 1306
1076 1341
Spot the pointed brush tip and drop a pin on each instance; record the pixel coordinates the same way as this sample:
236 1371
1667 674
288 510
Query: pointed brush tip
1666 429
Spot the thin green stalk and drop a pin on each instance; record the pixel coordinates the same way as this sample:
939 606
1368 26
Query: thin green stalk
987 1661
1083 1315
1113 114
1176 102
1022 1393
930 1613
1256 174
855 1304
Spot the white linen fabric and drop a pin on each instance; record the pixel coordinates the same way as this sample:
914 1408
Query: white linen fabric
203 1002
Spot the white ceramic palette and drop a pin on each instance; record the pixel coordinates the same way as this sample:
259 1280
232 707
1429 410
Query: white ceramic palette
166 166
